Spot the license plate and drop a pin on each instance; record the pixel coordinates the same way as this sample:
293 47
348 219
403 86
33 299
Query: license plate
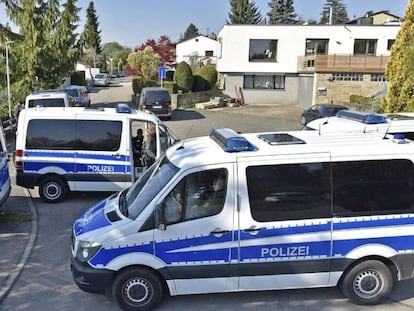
156 107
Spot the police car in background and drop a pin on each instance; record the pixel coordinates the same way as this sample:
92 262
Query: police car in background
84 149
364 122
260 211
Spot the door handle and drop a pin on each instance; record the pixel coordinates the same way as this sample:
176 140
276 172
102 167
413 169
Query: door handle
252 230
219 232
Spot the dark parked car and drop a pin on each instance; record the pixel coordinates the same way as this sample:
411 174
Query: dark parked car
156 100
320 111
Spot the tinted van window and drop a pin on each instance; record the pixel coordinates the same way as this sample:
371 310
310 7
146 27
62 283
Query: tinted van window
74 134
47 102
289 191
373 187
157 96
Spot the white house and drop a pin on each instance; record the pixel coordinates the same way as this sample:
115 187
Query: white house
303 64
200 50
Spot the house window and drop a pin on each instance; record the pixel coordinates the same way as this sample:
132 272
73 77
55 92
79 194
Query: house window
264 82
378 77
209 53
390 43
347 77
262 50
365 46
316 46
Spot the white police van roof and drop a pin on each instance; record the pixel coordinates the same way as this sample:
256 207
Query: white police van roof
208 150
356 121
121 110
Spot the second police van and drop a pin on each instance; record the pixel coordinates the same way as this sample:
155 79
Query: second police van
86 149
260 211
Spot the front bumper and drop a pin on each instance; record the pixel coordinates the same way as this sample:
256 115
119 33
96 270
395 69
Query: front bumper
90 279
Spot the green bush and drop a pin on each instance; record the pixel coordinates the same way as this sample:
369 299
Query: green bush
139 83
184 77
209 74
78 78
170 86
358 99
198 83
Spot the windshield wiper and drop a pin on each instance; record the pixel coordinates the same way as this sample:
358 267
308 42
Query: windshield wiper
123 203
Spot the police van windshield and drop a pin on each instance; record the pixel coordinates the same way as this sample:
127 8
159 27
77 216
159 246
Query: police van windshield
149 185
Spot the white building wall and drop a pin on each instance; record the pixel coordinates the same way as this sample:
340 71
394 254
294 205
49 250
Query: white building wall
198 45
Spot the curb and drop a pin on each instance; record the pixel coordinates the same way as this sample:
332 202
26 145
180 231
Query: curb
4 291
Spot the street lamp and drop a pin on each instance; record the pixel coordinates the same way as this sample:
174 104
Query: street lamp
8 80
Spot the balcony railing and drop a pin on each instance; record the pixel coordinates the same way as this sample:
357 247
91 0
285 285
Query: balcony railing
342 63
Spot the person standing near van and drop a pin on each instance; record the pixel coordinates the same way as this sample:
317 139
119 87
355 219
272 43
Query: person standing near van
150 143
137 142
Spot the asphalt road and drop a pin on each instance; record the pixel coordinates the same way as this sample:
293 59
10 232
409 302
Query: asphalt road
46 281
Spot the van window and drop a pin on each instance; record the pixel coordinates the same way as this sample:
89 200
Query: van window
373 187
198 195
289 191
74 134
47 102
157 96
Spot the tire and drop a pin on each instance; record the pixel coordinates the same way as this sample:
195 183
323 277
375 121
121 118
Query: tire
137 289
53 190
367 283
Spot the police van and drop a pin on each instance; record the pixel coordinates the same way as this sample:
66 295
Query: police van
85 149
358 121
261 211
5 181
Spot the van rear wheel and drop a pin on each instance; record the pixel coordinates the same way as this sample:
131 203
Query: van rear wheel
53 189
137 289
367 283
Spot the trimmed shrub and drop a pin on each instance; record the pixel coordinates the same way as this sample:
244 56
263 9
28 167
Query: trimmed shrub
198 83
139 83
184 77
209 74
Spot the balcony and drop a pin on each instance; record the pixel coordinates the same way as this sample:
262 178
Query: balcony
342 63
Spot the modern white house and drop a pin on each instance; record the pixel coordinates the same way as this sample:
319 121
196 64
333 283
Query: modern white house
201 50
303 64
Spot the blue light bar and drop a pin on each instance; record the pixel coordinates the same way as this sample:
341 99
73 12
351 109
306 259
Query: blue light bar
123 108
230 141
363 117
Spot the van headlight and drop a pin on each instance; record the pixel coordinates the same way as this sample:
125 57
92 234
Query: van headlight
86 250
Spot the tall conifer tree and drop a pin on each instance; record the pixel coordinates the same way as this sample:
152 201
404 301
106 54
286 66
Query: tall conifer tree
281 12
91 35
244 12
339 12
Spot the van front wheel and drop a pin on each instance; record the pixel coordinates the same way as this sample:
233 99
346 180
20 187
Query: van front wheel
53 189
367 283
137 289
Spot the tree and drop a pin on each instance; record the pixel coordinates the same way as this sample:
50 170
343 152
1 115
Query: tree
400 67
146 62
209 74
282 12
184 77
244 12
339 13
191 32
91 35
163 47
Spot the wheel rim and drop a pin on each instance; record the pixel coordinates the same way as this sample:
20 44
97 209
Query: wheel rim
53 191
137 291
368 284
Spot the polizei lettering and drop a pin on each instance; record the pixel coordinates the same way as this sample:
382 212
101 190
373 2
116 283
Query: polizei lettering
290 251
101 168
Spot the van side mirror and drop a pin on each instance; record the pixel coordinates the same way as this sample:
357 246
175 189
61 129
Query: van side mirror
159 218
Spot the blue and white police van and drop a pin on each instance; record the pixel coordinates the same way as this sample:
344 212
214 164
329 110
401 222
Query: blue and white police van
5 181
85 149
260 211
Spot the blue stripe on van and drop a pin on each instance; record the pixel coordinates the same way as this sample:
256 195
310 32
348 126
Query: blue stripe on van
92 219
78 154
373 221
80 168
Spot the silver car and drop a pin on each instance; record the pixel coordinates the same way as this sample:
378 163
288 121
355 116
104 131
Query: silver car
101 79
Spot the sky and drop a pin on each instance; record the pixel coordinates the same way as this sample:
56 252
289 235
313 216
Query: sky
132 22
